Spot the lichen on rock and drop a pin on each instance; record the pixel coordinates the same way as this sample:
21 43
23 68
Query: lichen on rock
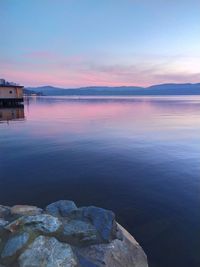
44 223
48 251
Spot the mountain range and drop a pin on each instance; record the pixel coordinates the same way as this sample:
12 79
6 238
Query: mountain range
160 89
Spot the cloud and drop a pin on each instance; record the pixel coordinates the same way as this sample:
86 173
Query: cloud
44 67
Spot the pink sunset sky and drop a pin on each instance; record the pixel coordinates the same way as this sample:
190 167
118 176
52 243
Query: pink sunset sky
74 44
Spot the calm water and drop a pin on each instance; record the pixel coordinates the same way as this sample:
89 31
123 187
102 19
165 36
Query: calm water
137 156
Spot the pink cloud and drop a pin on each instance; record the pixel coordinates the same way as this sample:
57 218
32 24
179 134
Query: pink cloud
75 71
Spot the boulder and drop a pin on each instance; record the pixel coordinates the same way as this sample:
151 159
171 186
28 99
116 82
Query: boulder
1 245
25 210
79 233
14 245
3 223
103 220
4 212
65 236
43 223
61 208
48 252
118 253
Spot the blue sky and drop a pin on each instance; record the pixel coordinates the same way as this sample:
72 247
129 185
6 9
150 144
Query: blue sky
74 43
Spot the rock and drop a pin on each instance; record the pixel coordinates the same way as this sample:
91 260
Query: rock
79 233
4 211
3 231
70 237
25 210
48 252
3 223
1 245
118 253
14 245
44 223
103 220
61 208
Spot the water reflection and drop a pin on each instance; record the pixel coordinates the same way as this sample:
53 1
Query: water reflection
11 113
151 117
139 157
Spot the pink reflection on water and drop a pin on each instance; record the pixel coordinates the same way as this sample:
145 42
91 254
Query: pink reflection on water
79 116
59 116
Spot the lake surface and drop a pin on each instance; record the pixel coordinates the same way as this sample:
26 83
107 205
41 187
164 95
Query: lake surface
139 157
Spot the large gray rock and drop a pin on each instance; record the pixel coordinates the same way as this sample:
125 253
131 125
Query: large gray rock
3 222
103 220
4 211
118 253
48 252
70 237
14 245
25 210
44 223
61 208
80 233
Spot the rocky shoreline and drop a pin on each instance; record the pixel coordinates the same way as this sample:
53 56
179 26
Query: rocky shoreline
63 235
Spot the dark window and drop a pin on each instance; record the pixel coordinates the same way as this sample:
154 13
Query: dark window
10 92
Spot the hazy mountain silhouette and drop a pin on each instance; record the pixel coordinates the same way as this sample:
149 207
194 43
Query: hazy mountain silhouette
161 89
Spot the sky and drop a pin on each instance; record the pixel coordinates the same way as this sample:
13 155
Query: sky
74 43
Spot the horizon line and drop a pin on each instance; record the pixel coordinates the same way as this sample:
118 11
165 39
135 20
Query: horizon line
108 86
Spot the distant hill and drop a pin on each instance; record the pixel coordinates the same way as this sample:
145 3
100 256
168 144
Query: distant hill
161 89
28 92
